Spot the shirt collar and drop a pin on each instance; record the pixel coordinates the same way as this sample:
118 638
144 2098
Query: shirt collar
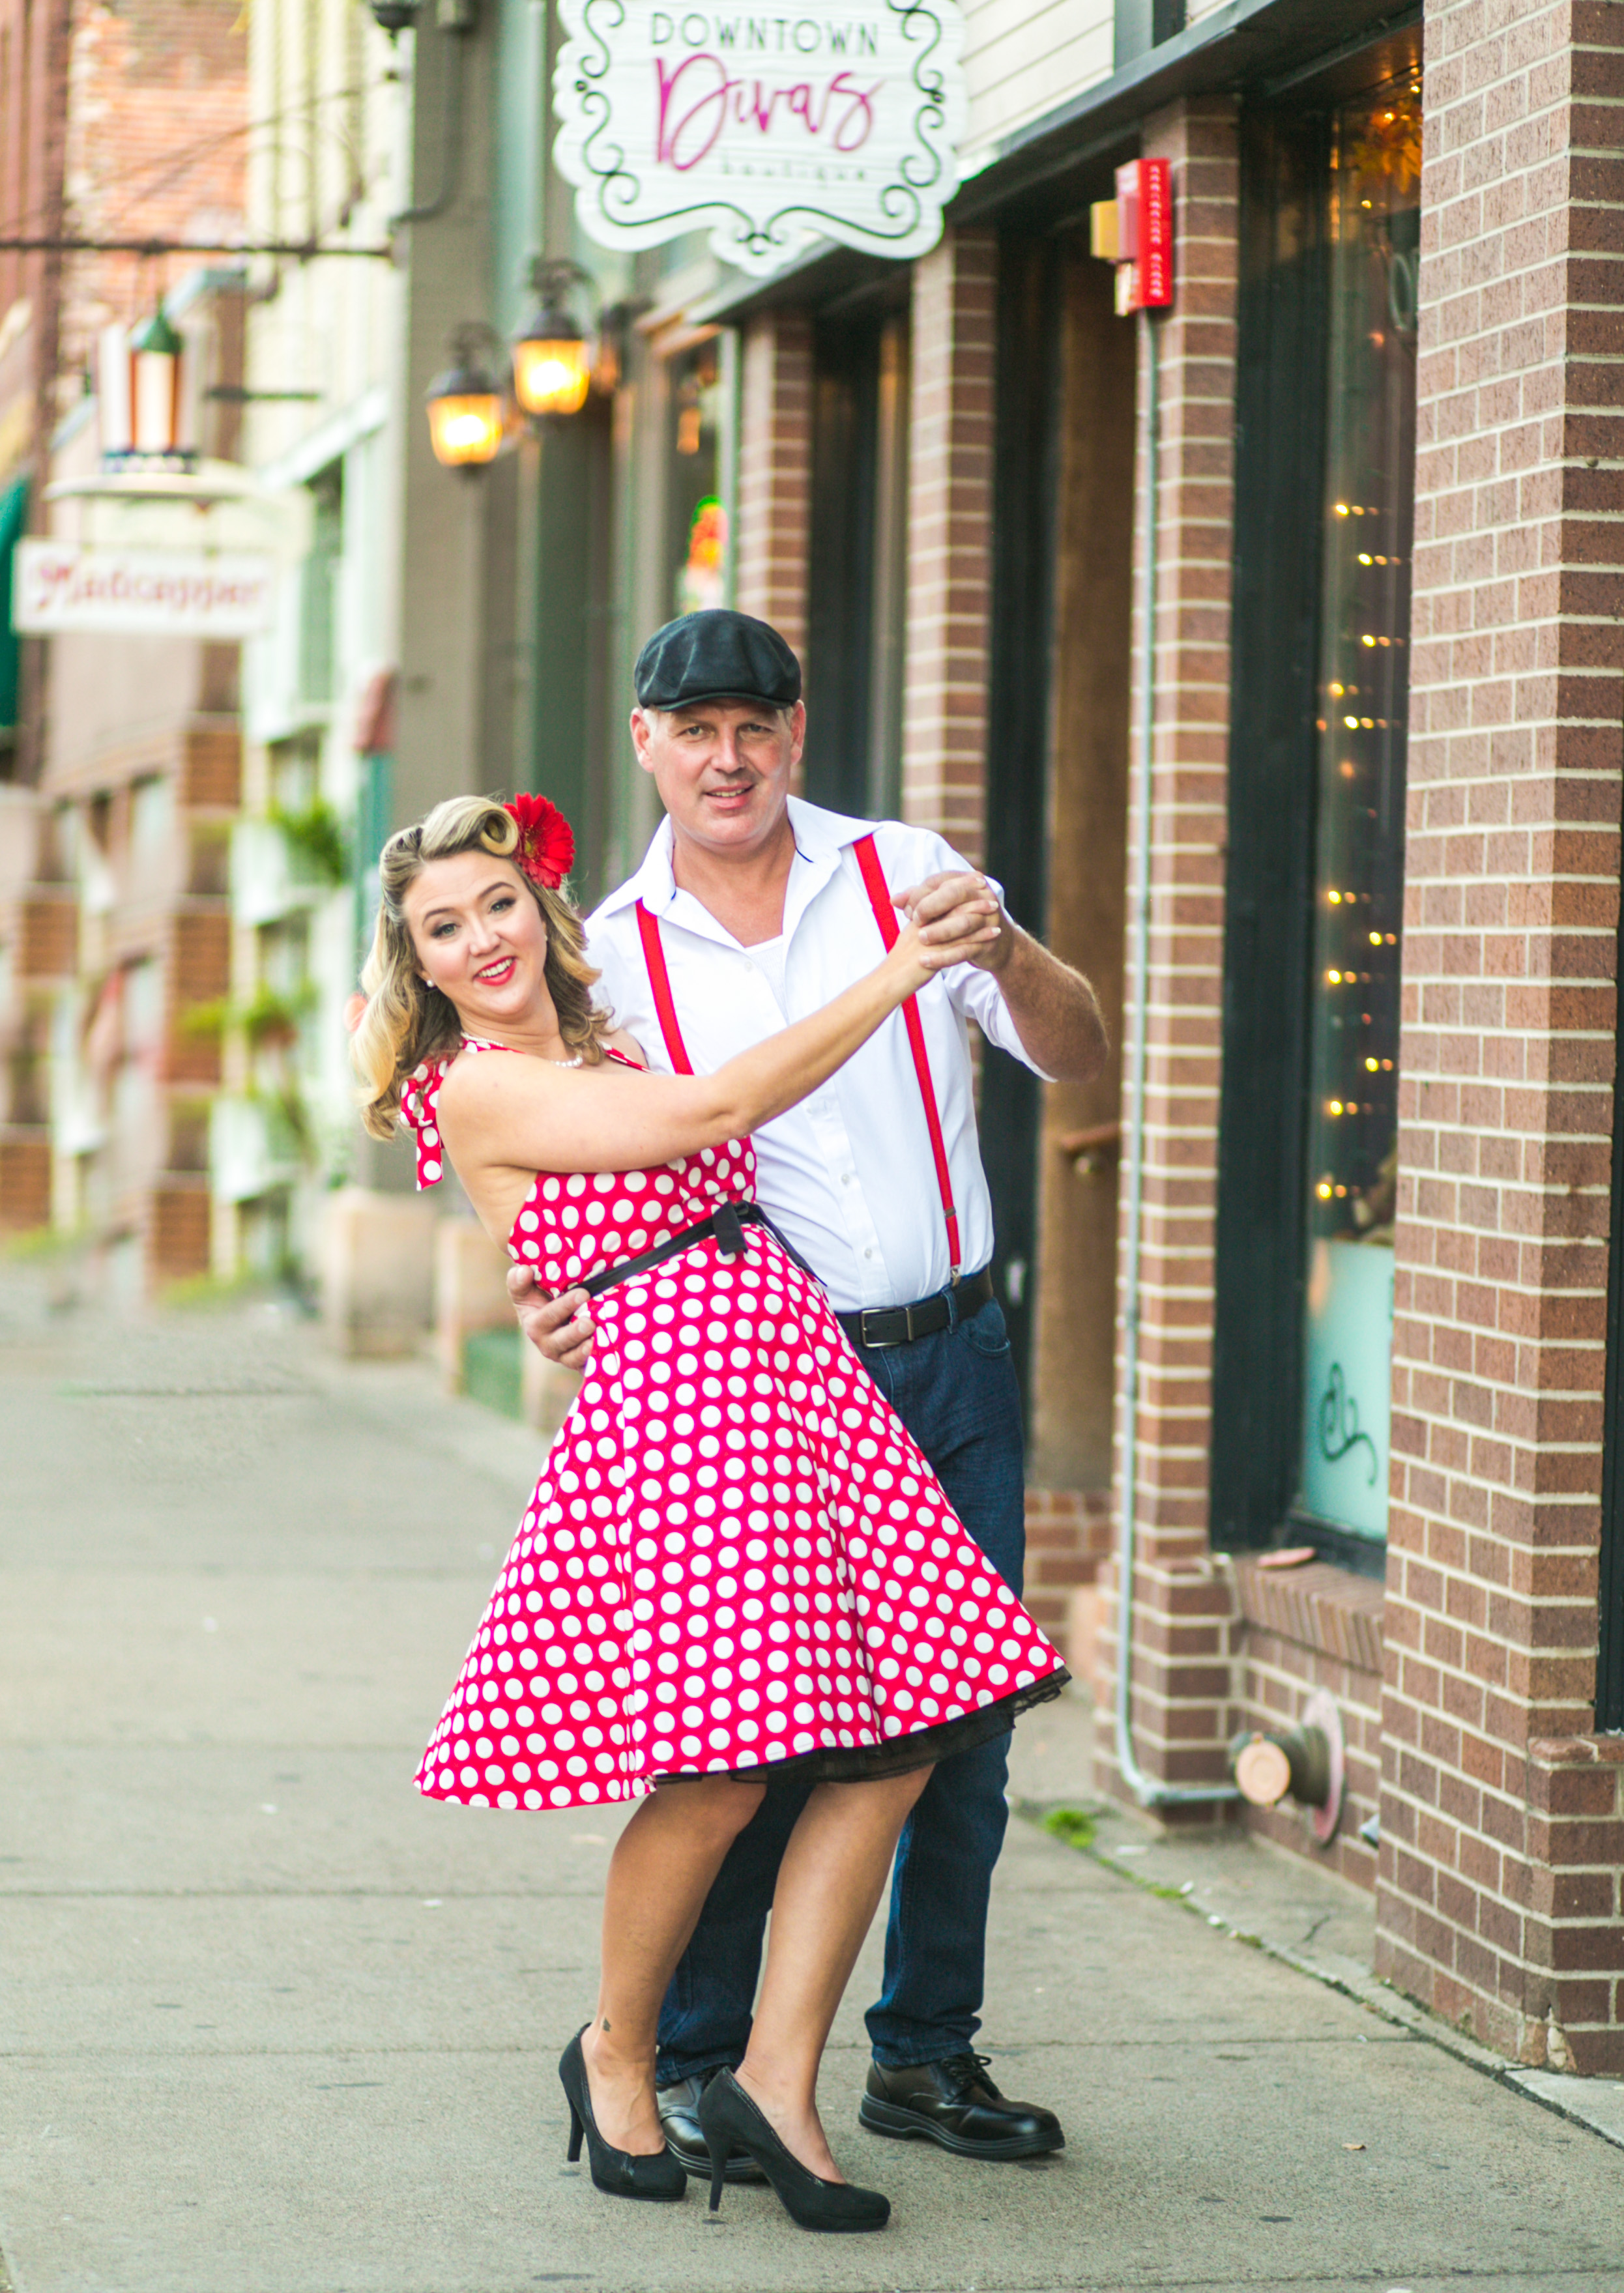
820 839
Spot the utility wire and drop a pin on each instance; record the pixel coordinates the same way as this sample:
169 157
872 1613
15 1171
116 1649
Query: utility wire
190 154
300 250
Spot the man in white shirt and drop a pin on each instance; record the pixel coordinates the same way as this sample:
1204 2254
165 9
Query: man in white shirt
750 910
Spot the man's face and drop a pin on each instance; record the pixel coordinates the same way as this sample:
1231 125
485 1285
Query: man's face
722 768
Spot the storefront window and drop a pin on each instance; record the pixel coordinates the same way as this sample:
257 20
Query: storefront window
698 520
1359 872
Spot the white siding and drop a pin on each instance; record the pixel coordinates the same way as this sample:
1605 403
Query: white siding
1022 58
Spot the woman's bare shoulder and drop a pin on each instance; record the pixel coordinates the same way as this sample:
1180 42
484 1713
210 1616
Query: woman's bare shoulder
473 1077
624 1042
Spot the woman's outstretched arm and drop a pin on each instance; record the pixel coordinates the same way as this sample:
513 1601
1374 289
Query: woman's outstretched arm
527 1114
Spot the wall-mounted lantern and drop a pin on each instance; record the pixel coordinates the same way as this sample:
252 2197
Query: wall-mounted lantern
144 399
465 419
552 360
155 386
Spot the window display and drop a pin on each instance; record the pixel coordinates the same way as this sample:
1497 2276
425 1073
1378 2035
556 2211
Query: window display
1352 1135
698 521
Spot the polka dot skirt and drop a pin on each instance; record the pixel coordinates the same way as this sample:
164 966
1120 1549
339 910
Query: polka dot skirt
736 1557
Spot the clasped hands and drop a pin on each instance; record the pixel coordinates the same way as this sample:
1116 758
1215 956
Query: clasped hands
947 908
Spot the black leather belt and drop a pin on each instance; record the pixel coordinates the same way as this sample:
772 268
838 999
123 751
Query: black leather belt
727 1226
899 1325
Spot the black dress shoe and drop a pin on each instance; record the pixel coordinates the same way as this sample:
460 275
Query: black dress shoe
679 2107
955 2104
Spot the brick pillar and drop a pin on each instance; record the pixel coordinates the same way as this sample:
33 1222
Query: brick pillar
1499 1895
775 498
950 537
1184 1638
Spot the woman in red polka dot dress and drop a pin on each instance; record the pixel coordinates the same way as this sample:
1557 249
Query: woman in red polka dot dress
736 1568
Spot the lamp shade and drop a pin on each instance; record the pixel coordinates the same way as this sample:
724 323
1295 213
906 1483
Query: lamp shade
464 415
552 368
155 386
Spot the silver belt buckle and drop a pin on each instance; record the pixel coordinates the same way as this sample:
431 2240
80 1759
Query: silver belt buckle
888 1345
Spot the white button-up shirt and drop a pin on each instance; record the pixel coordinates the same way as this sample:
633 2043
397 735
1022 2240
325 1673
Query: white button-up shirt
847 1174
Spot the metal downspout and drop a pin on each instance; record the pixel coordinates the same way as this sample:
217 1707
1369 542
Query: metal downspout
458 27
1146 1790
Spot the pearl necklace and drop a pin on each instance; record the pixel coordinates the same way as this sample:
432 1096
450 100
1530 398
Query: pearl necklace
579 1060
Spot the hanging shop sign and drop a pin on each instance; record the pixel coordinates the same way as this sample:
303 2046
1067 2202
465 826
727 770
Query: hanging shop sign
58 585
840 121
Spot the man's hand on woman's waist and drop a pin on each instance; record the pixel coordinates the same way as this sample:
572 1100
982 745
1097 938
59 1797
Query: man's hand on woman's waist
559 1328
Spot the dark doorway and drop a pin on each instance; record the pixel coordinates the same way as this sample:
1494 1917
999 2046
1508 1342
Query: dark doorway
1085 835
857 569
1026 397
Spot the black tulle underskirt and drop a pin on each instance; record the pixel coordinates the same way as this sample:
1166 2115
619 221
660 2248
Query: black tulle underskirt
868 1763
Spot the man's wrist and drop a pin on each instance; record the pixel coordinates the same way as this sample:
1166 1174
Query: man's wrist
997 958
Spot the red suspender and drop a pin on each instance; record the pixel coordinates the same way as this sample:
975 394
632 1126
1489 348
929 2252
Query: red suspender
660 980
885 916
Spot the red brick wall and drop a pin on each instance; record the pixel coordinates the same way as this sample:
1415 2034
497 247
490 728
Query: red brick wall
1509 1015
201 973
178 1232
1181 1649
775 485
25 1181
212 772
1575 1899
1068 1534
950 529
47 926
117 124
157 88
1302 1629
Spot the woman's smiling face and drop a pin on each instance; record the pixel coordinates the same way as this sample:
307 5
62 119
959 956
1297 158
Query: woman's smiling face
479 938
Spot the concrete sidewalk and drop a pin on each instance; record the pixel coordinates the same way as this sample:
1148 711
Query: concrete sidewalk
269 2023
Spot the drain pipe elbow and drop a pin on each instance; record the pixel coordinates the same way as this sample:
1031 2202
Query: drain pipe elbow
1145 1789
457 24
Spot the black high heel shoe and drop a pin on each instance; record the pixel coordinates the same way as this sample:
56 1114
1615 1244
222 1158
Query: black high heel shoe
616 2172
730 2120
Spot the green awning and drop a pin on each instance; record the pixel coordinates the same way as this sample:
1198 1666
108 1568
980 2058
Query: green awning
14 525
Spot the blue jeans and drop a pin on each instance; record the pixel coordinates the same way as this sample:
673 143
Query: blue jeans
956 1394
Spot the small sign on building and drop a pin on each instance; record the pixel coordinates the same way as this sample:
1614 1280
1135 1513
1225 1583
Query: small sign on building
58 585
1135 231
840 121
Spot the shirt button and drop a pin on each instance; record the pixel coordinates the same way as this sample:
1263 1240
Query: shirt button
868 1253
845 1178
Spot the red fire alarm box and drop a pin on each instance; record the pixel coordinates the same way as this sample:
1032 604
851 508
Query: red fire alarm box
1135 232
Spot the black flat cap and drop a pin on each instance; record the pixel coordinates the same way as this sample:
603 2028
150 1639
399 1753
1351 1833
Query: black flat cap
717 655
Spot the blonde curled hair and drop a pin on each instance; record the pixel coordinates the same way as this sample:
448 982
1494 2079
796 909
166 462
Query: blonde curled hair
406 1021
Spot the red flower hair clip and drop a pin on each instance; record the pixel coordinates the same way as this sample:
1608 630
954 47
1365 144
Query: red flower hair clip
546 848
